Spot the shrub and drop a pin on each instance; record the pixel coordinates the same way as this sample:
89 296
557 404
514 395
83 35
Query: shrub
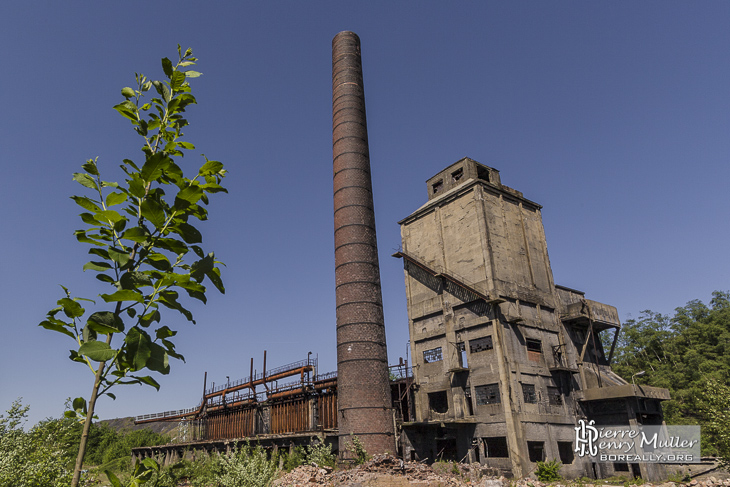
321 455
548 471
358 450
246 467
33 458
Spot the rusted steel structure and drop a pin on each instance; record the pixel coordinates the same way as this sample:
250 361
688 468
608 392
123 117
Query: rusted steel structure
281 415
365 408
239 410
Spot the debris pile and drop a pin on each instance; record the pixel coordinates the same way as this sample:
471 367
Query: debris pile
388 471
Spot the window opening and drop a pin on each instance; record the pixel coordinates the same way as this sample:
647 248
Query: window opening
467 399
433 355
438 186
463 361
536 450
496 447
565 450
554 397
621 467
528 393
487 394
456 175
534 345
480 344
438 402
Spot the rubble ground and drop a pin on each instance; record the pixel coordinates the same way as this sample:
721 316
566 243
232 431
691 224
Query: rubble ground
389 471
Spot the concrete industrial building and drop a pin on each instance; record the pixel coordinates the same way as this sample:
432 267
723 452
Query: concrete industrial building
505 362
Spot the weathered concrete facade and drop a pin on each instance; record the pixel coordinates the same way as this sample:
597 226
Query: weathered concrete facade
505 361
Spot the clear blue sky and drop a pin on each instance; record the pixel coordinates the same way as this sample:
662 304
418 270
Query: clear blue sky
615 116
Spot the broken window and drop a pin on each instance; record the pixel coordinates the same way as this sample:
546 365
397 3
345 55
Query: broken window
438 402
536 450
554 397
534 349
483 173
496 447
565 450
621 467
456 175
480 344
528 393
467 400
534 345
488 394
433 355
463 361
437 186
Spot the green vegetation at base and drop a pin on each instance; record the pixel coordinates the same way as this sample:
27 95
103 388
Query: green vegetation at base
548 471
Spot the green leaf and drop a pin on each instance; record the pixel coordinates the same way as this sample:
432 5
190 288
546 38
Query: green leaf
154 166
210 168
79 404
198 251
109 216
115 198
56 327
199 268
193 74
186 145
149 381
74 355
134 279
137 344
112 478
153 212
114 398
89 219
173 245
136 187
123 295
165 332
188 232
83 238
71 308
97 266
119 256
85 180
149 318
127 109
188 196
177 80
136 234
215 277
88 334
158 261
167 67
105 322
90 167
97 351
86 203
127 92
158 360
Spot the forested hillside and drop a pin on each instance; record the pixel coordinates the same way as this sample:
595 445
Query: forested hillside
689 354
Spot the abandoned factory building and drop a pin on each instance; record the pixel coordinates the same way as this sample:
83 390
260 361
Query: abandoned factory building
505 361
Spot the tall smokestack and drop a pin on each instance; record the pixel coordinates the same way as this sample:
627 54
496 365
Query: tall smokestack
363 397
